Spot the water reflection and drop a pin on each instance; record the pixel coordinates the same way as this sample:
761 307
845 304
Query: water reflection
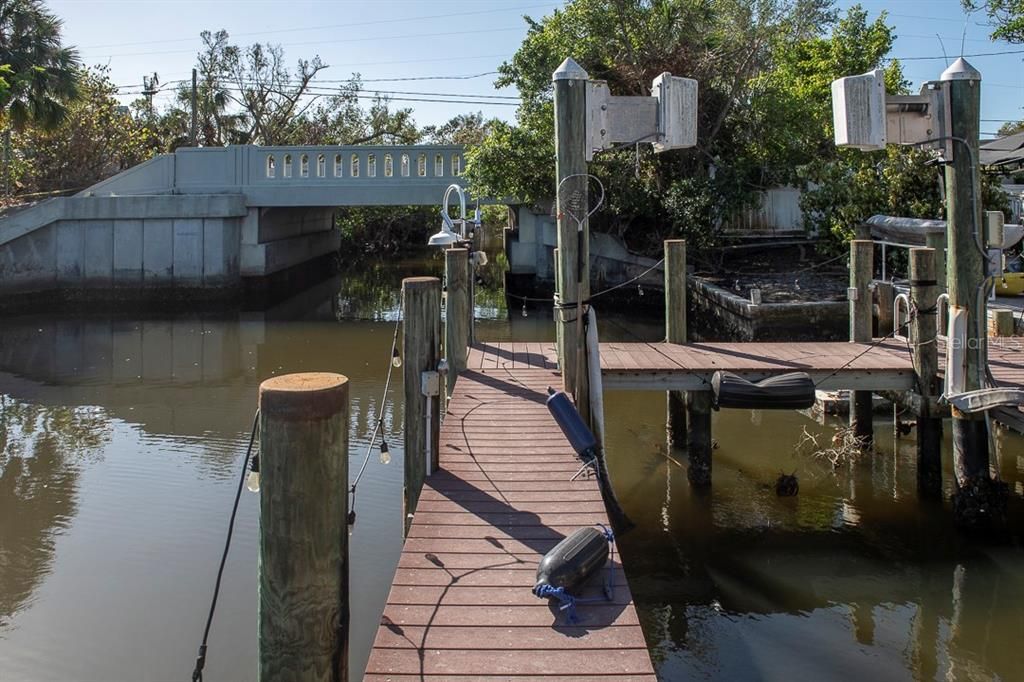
42 451
121 440
853 578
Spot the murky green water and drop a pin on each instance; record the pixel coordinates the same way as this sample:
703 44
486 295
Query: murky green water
122 440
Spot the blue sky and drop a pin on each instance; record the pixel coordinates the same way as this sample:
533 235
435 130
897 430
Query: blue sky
389 39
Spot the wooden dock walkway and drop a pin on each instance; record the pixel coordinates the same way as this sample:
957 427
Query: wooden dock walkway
460 606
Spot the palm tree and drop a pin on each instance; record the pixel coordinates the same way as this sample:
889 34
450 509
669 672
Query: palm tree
44 74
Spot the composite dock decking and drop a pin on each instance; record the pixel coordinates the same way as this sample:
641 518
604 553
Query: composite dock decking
460 606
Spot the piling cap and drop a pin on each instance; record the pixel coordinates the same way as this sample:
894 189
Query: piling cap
960 70
569 70
303 397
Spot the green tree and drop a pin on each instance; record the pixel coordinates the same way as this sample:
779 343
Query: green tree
764 68
43 73
1011 128
789 120
97 139
1006 15
466 129
339 117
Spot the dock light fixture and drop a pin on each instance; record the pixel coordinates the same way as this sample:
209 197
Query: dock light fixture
449 235
252 481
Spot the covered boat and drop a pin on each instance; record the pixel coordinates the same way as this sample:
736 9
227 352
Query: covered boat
912 231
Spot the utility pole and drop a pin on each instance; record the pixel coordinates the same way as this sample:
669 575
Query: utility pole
150 88
192 129
967 240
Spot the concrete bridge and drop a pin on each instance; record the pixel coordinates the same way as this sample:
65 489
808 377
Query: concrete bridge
211 218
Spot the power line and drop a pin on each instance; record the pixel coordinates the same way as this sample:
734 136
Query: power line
324 42
323 27
366 80
976 54
917 16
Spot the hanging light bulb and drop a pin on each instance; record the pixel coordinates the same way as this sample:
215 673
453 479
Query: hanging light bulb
252 481
639 290
396 358
385 453
524 309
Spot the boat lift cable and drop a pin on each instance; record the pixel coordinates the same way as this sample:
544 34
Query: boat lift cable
378 428
197 672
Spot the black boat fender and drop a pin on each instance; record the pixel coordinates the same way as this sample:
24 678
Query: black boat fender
590 453
571 563
792 391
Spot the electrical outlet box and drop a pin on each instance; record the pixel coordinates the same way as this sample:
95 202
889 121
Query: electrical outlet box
677 112
858 111
430 383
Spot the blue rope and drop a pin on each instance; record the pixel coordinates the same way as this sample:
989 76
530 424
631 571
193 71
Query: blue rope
568 602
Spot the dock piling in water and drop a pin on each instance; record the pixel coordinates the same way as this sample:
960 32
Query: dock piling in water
861 265
675 330
924 292
303 568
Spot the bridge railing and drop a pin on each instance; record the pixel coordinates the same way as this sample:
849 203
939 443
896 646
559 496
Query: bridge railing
250 166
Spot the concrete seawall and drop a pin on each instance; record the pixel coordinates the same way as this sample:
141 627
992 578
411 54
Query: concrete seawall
140 246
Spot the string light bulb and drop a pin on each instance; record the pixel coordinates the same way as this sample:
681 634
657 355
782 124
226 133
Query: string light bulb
639 290
524 309
252 481
396 358
385 453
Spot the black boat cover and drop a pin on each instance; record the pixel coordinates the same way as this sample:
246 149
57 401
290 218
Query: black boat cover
793 391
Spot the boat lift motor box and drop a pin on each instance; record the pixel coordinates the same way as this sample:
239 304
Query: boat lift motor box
667 119
858 111
866 118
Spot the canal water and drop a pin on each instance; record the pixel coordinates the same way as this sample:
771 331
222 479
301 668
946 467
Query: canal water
122 437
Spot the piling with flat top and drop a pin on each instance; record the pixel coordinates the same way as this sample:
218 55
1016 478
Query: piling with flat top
303 568
1001 323
861 265
675 330
573 272
937 241
421 352
457 313
924 291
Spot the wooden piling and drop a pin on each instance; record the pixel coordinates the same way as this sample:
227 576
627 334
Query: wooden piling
457 313
570 85
937 241
861 265
1001 323
885 295
675 330
421 352
303 567
698 438
966 263
924 291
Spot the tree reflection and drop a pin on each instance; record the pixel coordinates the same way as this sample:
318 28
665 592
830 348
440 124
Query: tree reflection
42 450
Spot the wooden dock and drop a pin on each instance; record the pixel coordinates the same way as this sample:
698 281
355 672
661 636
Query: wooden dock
460 606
